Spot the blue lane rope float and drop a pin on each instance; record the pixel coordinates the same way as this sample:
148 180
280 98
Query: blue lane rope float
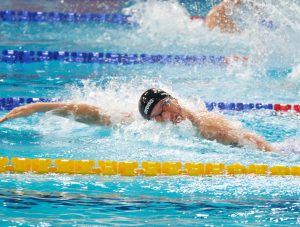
145 168
23 15
118 18
237 106
11 102
28 56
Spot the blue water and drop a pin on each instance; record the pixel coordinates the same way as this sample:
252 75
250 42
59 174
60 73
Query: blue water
57 200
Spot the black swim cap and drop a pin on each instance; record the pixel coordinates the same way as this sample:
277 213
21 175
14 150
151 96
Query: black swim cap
149 99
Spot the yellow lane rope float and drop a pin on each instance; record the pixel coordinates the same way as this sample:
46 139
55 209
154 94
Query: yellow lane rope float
133 168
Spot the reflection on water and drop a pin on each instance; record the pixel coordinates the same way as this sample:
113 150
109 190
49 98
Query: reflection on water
104 208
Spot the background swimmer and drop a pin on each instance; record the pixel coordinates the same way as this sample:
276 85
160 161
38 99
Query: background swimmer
159 106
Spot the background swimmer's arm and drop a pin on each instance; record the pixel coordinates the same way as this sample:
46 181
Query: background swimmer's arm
219 16
84 113
214 126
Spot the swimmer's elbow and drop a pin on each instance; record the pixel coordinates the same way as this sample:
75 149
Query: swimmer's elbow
97 121
96 118
104 120
84 113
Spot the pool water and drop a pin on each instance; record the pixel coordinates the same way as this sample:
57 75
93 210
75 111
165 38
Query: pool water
270 76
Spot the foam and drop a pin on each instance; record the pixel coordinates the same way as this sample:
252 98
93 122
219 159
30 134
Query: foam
289 146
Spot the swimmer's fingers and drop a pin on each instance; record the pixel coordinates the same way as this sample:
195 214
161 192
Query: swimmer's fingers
5 118
21 111
2 119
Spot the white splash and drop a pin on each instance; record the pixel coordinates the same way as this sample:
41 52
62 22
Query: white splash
295 74
269 32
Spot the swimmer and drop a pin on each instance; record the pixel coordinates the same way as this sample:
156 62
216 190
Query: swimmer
220 16
157 105
160 106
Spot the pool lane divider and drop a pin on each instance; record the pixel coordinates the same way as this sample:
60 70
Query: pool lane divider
38 16
29 56
117 18
12 102
144 168
9 103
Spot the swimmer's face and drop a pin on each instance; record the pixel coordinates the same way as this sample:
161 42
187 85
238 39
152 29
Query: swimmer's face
167 109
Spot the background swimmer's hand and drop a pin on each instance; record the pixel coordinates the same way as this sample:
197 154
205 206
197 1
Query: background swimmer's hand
21 111
220 17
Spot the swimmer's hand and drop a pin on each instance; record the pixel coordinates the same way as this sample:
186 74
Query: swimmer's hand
21 111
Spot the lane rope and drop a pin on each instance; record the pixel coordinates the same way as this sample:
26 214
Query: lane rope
144 168
8 103
28 56
118 18
38 16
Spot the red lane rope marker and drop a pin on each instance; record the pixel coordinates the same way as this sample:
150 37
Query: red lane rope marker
284 107
197 18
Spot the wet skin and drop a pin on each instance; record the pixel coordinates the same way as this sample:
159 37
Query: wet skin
168 109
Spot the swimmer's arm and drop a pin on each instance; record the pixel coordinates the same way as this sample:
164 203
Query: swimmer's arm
216 127
219 17
83 113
